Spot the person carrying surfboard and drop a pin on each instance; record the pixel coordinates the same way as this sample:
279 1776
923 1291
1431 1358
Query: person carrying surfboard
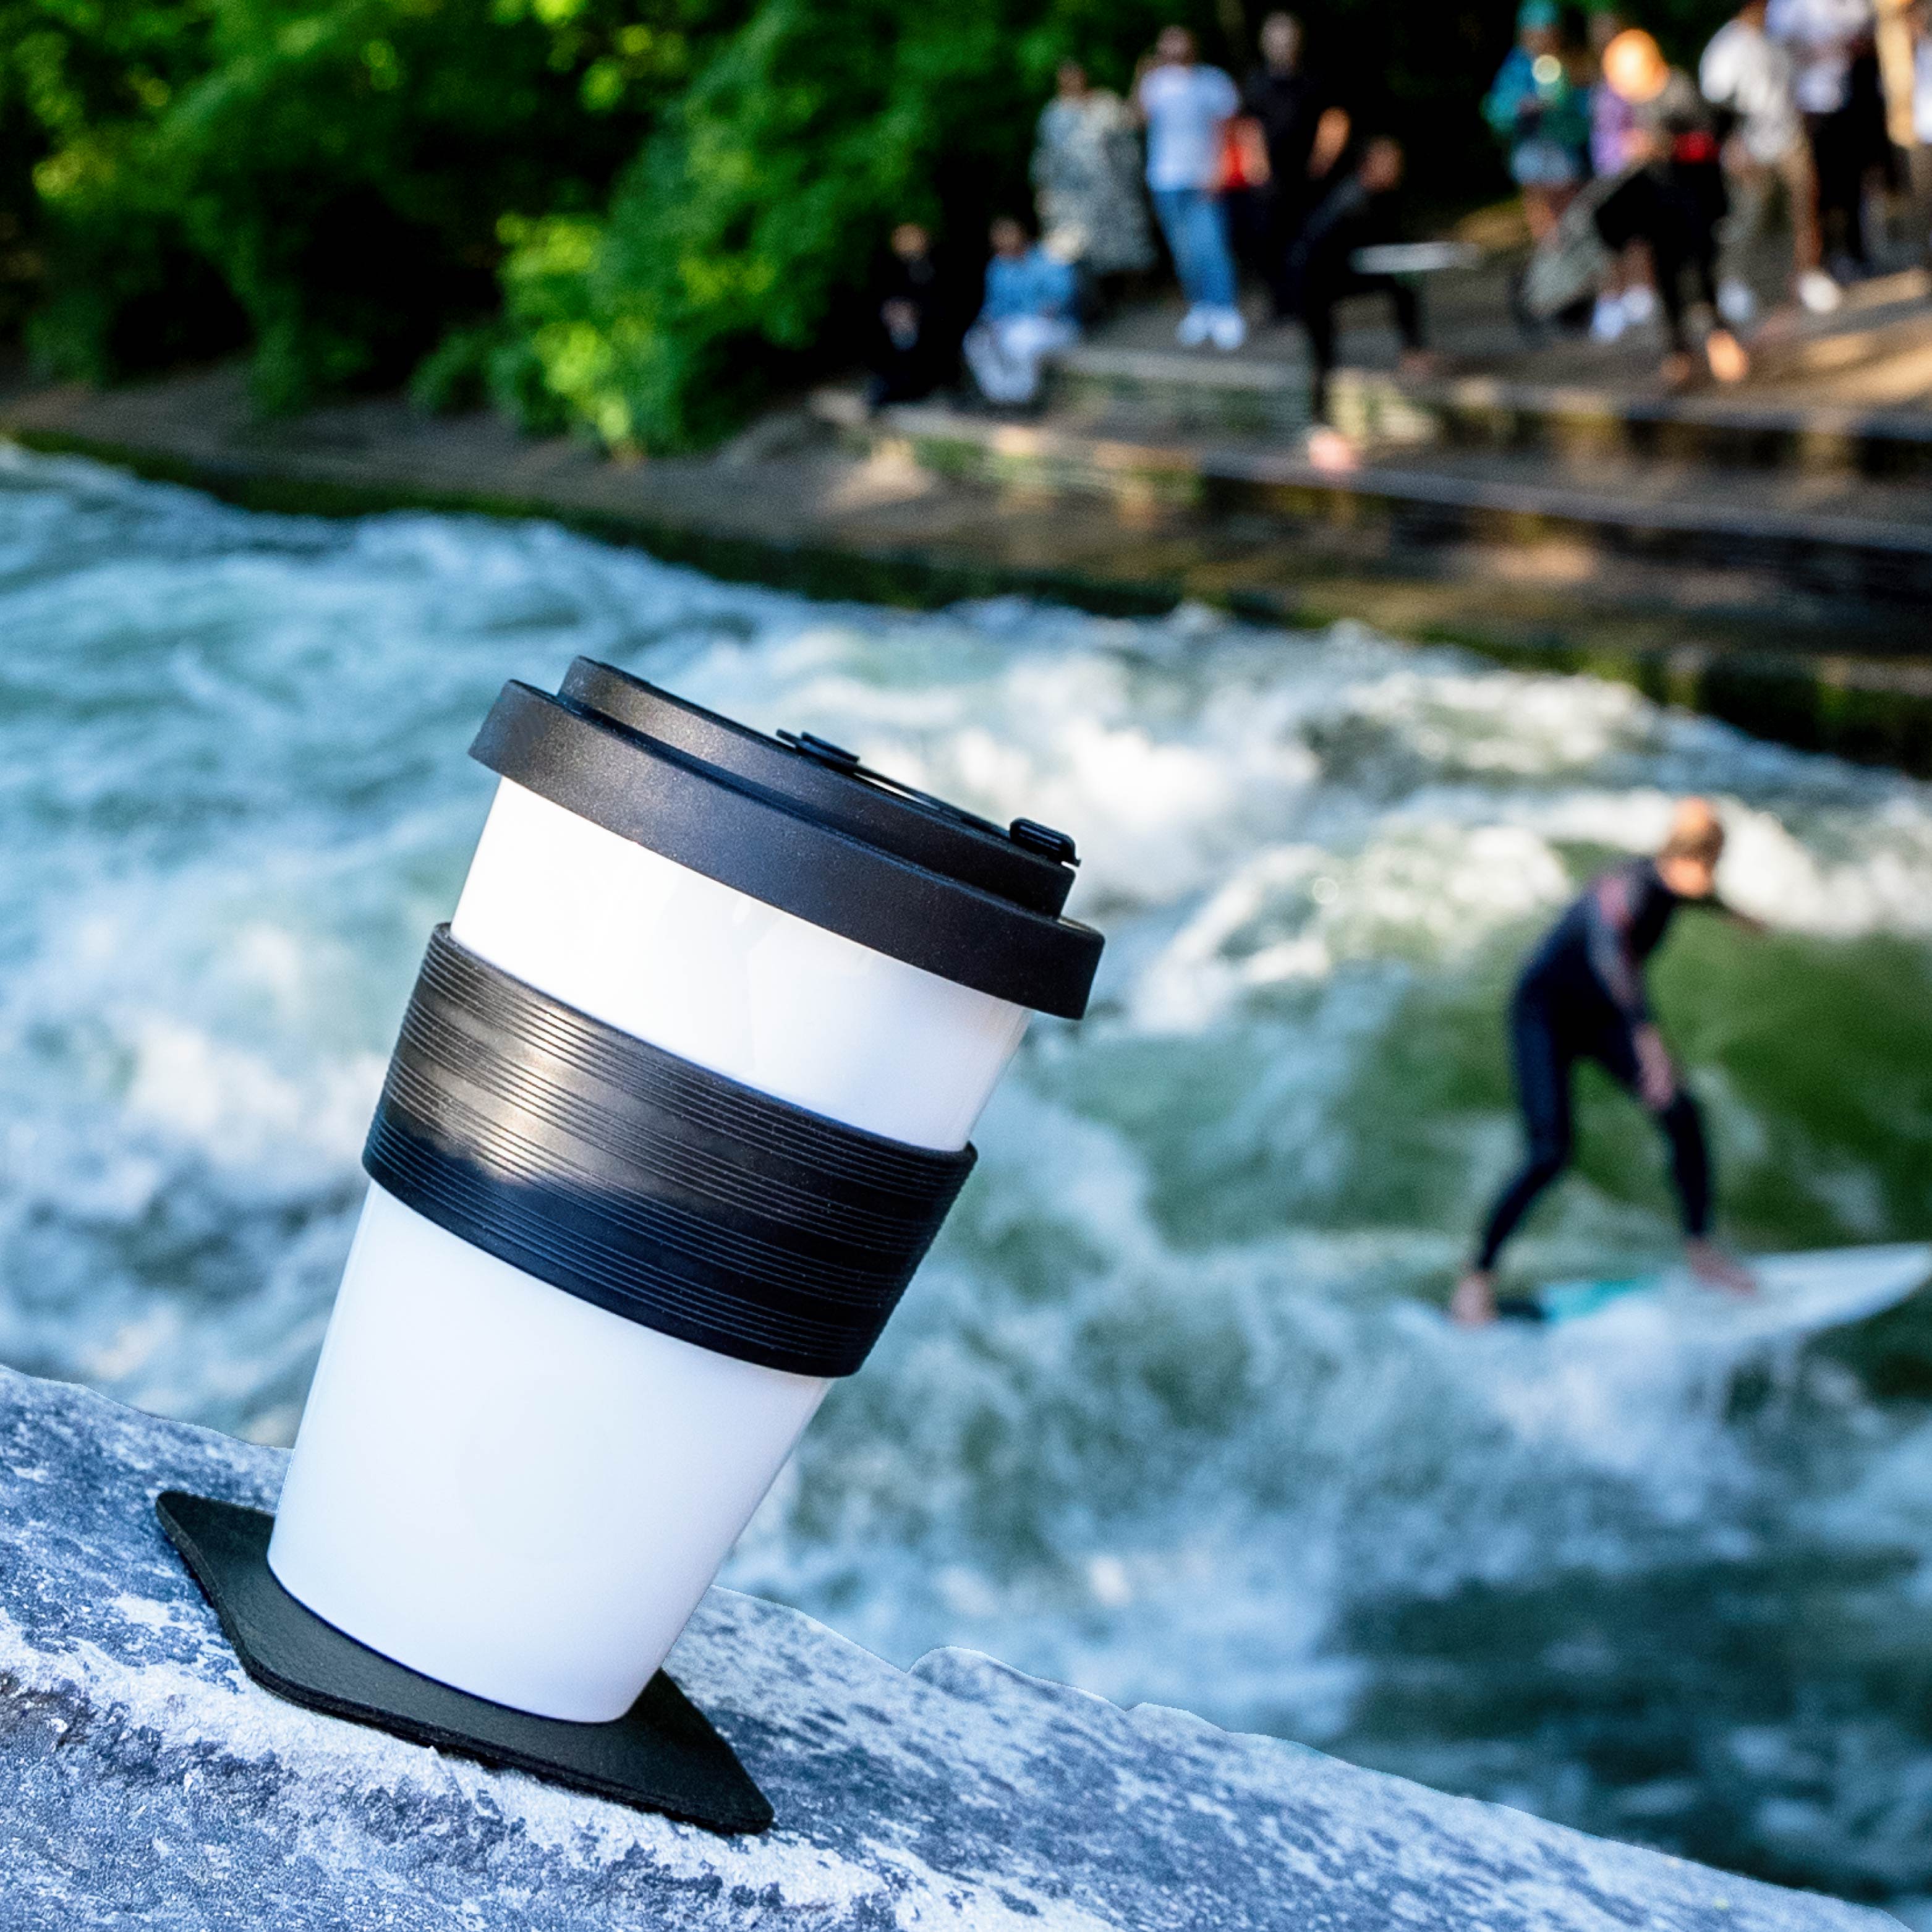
1582 997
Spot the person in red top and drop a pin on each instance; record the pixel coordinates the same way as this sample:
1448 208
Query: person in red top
1582 997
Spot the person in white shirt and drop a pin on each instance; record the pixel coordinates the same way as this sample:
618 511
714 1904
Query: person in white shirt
1751 76
1185 108
1824 37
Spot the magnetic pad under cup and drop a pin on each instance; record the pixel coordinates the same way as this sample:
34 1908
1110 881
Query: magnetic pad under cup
662 1755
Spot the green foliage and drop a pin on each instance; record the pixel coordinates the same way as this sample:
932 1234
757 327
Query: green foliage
333 182
81 81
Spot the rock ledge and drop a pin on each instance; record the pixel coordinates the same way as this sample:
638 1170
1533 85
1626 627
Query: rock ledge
144 1780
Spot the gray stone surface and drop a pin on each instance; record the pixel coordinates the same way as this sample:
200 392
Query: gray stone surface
144 1781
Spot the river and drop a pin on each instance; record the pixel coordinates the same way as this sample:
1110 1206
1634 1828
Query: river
1164 1415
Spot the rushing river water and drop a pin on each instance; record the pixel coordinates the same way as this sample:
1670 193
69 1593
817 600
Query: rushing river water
1163 1415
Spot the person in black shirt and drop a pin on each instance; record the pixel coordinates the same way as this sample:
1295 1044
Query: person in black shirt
1305 129
915 332
1360 212
1582 997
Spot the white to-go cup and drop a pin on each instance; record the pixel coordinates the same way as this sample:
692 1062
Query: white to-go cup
523 1489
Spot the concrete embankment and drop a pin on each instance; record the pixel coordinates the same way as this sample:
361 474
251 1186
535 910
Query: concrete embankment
145 1781
1788 598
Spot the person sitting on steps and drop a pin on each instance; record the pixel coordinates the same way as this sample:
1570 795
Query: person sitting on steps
1029 313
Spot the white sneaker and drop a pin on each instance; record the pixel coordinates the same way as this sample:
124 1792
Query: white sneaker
1227 327
1735 303
1639 303
1194 326
1608 321
1818 292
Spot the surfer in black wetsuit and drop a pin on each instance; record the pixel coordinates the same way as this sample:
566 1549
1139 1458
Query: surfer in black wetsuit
1581 997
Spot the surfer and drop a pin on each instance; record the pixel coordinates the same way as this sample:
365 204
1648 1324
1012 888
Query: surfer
1582 997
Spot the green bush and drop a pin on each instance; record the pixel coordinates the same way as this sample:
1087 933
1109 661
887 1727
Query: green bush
336 177
82 82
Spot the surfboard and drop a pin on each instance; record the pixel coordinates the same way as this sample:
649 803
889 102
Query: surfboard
1798 1294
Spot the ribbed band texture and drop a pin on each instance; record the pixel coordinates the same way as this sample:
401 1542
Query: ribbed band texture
654 1188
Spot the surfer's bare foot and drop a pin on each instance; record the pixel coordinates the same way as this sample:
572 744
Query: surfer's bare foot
1715 1269
1474 1303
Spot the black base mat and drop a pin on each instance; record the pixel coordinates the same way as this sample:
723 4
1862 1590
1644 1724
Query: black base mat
662 1755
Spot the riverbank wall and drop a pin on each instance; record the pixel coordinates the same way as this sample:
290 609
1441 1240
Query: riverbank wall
1814 645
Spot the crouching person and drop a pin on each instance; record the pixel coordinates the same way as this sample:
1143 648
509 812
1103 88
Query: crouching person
1030 311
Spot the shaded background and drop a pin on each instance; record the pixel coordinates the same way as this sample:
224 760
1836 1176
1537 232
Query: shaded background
634 218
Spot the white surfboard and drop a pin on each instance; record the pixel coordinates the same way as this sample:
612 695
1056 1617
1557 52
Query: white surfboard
1797 1295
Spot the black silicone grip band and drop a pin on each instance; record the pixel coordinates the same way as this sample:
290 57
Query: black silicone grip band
656 1189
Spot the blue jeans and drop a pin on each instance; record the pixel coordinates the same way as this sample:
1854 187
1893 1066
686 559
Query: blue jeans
1196 227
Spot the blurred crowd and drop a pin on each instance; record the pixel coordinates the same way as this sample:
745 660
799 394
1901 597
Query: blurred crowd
1274 177
1648 192
1644 186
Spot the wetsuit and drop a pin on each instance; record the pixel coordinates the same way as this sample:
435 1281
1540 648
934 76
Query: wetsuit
1582 997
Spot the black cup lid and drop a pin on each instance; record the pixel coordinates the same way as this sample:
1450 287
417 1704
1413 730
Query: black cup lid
802 825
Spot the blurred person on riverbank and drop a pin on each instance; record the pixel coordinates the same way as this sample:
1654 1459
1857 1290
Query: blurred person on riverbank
1087 181
1185 107
1626 298
1305 129
914 344
1582 996
1542 117
1030 309
1671 199
1750 78
1828 39
1360 211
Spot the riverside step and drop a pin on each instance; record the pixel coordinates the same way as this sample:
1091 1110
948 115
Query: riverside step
1847 393
1891 315
1869 541
1729 432
1149 395
1159 390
